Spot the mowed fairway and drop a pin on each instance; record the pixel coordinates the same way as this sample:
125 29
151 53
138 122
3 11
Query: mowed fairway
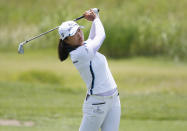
37 88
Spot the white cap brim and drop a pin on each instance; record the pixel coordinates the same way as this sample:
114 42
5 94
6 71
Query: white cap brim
74 30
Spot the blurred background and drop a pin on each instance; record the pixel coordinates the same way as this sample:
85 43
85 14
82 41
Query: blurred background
146 47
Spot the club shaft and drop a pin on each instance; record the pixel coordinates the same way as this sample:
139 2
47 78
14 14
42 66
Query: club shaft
41 34
78 18
49 31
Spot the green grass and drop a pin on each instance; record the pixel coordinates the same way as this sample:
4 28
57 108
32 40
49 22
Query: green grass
37 87
133 28
72 124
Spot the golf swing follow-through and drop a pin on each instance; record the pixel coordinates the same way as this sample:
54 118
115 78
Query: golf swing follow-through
20 47
101 108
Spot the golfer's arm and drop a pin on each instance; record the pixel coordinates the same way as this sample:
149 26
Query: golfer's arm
97 35
92 31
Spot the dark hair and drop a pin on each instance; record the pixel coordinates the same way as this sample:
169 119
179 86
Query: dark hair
62 50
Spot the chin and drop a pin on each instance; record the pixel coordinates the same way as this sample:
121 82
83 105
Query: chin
81 42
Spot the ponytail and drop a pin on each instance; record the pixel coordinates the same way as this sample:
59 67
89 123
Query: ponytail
62 51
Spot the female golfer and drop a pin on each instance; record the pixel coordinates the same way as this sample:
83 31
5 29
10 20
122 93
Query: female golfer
101 108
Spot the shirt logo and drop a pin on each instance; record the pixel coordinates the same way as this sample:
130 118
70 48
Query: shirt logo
75 61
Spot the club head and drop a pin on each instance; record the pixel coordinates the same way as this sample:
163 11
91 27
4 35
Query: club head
20 48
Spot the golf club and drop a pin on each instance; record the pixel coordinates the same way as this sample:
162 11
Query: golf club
20 47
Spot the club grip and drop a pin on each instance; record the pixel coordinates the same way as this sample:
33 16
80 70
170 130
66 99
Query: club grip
96 10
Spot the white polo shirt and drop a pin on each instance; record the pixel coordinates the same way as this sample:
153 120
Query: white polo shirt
93 69
91 64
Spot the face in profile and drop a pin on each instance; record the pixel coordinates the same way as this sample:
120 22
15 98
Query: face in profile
77 39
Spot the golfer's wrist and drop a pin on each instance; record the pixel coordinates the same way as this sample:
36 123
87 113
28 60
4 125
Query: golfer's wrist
96 19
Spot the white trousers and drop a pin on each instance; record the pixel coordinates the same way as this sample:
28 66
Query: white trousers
101 112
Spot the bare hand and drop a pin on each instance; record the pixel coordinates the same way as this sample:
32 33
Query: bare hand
89 15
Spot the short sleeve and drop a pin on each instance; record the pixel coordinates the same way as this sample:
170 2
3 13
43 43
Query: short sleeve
82 54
